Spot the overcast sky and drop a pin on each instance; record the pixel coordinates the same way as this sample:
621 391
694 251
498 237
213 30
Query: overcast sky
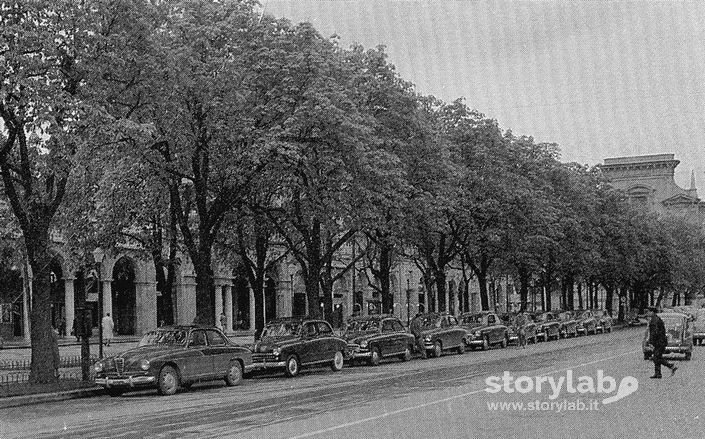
600 78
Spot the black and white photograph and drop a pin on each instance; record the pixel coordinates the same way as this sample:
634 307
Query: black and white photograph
374 219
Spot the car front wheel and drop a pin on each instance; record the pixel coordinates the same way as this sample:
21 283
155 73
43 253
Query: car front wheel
375 356
115 392
437 349
292 366
406 356
234 376
337 364
168 381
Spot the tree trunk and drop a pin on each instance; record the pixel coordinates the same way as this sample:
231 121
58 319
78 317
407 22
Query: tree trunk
441 290
524 279
205 312
385 267
44 345
484 297
609 296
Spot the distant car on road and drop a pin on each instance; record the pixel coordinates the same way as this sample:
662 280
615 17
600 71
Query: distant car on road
438 332
292 343
604 321
569 325
679 332
484 329
518 322
587 323
375 337
699 327
172 357
547 326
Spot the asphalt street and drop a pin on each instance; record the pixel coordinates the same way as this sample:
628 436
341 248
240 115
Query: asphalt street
445 397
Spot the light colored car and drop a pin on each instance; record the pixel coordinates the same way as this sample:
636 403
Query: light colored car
679 332
587 323
604 321
699 327
484 329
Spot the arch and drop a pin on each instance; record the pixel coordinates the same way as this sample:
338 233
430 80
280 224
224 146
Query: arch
124 295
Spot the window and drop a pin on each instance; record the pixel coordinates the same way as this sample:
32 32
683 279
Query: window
324 328
198 338
215 339
388 326
310 329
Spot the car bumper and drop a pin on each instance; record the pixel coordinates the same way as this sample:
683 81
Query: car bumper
268 365
356 355
475 342
580 330
671 350
513 338
137 381
699 336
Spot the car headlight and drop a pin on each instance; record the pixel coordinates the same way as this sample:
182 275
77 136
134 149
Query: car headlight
276 351
363 344
144 364
98 367
427 338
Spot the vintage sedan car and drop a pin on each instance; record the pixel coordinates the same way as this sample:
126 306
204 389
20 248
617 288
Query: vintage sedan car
291 343
604 321
636 319
484 329
679 332
587 323
171 357
547 326
518 322
375 337
569 325
699 327
437 332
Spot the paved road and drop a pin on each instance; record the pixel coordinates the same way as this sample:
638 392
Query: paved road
443 397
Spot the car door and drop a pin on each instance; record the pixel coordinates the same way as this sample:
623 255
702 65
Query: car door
199 365
401 339
218 351
457 331
324 345
307 351
492 328
388 338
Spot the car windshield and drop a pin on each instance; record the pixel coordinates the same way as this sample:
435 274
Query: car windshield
472 319
565 316
363 326
431 322
175 337
543 318
521 319
672 323
280 329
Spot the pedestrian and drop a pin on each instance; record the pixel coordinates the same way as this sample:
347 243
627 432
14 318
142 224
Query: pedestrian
62 327
223 322
659 341
76 330
108 328
55 351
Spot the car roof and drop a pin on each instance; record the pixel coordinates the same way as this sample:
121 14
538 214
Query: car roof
184 327
372 317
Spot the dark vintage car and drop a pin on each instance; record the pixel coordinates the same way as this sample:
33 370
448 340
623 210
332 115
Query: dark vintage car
547 326
604 321
291 343
587 323
484 329
175 356
679 332
375 337
437 332
636 319
521 322
569 325
699 327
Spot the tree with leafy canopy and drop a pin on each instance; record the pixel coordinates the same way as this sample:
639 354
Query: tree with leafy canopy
51 55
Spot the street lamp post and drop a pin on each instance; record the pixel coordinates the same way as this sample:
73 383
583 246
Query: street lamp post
408 297
98 255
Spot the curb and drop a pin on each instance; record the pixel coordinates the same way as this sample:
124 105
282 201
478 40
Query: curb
17 401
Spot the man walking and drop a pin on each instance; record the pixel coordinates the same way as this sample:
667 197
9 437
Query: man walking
658 339
108 328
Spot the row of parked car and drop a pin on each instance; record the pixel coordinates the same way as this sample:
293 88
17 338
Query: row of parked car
174 357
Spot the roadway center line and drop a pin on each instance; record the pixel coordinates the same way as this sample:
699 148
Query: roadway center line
440 401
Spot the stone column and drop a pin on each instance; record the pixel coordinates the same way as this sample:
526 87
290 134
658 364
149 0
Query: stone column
69 303
252 310
146 298
228 307
218 304
108 297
